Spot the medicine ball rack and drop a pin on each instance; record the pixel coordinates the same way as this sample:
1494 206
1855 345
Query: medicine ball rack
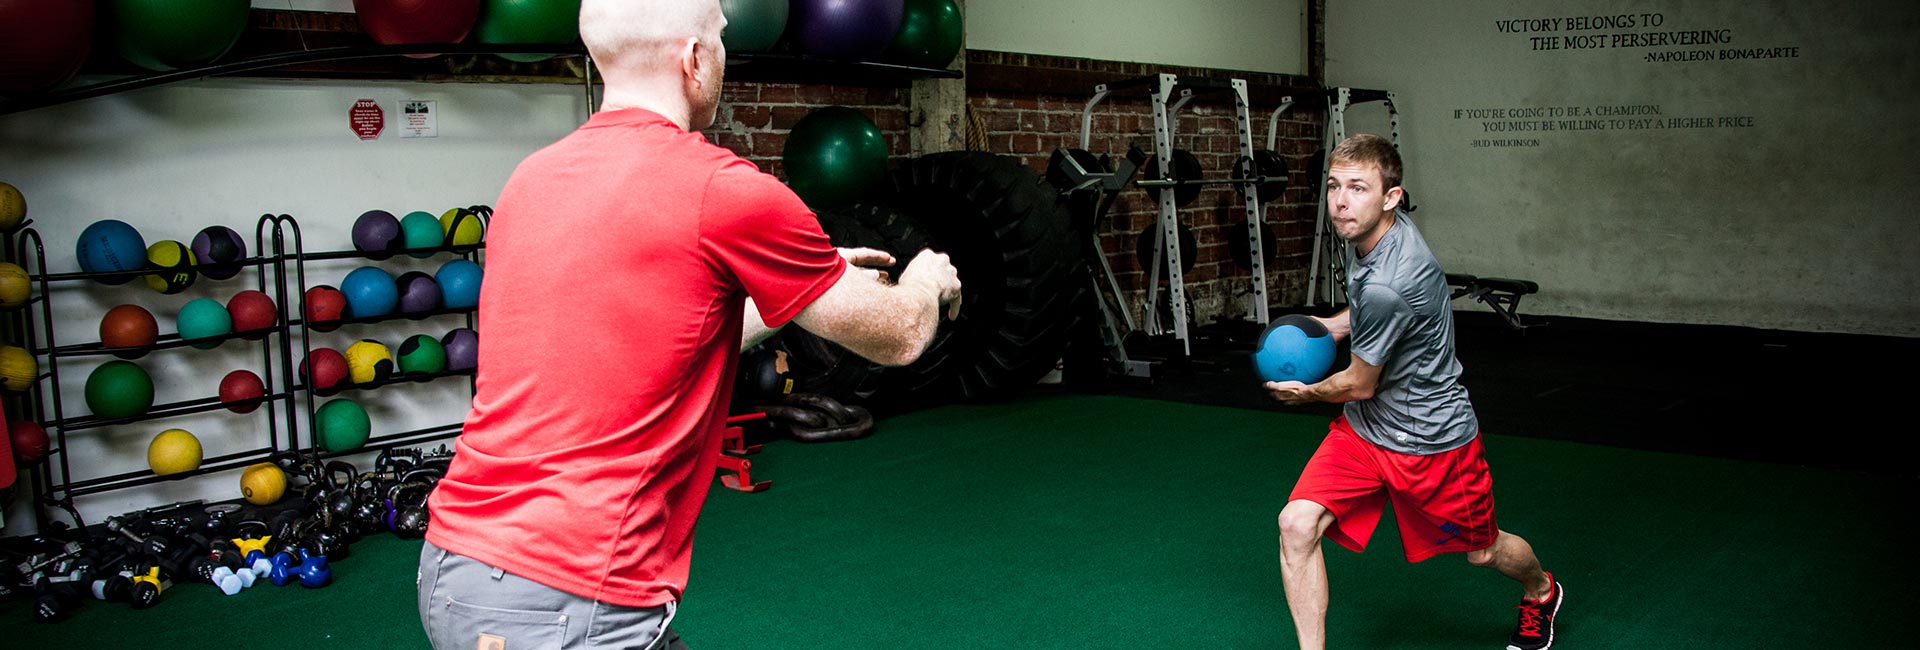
277 246
1166 111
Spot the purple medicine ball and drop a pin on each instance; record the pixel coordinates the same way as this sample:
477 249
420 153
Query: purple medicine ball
463 349
377 233
419 294
222 249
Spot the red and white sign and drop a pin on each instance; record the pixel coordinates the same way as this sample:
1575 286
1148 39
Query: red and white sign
367 119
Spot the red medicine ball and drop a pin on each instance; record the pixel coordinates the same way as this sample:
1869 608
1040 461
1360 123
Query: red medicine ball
329 369
129 326
240 386
252 310
29 442
325 307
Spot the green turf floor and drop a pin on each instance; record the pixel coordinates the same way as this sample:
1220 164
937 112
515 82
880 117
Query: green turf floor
1098 522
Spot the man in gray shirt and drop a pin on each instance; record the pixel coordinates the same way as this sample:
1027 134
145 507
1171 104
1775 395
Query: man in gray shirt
1408 433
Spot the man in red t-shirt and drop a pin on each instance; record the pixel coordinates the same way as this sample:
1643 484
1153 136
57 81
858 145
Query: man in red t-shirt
627 265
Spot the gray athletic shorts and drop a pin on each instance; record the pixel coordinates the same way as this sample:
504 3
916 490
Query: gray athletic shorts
467 605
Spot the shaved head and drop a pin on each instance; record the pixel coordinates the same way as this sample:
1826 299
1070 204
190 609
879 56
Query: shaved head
662 55
645 33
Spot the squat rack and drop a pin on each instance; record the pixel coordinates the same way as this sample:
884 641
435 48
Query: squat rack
1329 251
1166 111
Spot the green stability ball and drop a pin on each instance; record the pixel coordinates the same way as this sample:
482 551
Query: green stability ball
119 389
204 318
753 25
343 425
164 35
930 35
528 21
422 354
834 156
421 230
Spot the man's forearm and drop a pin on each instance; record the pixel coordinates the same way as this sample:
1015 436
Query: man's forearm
1340 324
1341 388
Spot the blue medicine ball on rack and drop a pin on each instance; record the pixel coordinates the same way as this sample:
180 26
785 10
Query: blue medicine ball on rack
370 292
459 284
1295 348
111 245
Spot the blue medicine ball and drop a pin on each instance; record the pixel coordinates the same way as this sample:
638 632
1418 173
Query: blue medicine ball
459 284
111 245
1295 348
370 292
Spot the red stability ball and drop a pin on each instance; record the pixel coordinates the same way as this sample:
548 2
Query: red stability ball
405 22
253 310
240 386
42 44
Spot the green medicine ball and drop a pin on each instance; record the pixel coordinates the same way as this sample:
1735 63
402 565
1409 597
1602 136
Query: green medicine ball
422 354
421 230
119 389
343 425
204 318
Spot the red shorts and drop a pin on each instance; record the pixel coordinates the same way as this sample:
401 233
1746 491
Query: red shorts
1443 502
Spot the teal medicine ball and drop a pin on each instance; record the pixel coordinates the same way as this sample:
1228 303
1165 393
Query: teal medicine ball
204 318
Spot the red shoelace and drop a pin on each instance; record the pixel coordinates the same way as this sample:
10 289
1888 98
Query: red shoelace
1529 619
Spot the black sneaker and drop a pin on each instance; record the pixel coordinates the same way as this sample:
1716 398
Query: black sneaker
1535 631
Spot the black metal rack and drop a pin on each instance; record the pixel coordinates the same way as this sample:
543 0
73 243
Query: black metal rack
40 339
279 268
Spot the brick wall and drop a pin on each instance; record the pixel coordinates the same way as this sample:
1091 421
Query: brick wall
754 119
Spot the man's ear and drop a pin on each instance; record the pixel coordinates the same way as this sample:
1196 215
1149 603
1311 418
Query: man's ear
1393 198
689 54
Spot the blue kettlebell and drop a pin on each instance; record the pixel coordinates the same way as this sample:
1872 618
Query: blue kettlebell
314 572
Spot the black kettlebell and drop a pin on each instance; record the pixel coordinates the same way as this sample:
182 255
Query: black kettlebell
410 508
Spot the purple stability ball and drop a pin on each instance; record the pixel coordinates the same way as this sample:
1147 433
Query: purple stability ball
419 294
844 29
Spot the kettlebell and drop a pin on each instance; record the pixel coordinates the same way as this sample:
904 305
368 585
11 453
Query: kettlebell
314 572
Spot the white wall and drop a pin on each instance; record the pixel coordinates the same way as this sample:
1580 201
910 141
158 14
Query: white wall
1796 220
1255 35
173 160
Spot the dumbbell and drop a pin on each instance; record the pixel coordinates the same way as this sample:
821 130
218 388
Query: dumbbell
148 586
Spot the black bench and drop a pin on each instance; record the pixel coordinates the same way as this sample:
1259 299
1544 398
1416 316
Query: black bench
1502 294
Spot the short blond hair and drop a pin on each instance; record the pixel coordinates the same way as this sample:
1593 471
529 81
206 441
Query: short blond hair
1370 149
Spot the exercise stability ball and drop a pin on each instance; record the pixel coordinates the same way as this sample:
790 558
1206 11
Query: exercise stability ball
252 310
15 286
239 388
13 204
406 22
370 292
1294 348
172 265
930 34
42 44
528 22
163 35
834 156
377 233
753 25
843 29
459 282
18 368
204 318
421 230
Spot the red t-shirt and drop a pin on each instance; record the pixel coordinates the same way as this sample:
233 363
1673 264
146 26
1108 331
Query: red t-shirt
617 265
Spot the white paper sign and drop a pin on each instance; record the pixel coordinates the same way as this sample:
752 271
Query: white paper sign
418 119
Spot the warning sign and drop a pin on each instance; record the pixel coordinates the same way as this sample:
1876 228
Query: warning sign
367 119
421 121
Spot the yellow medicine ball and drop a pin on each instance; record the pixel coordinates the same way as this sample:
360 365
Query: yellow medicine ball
173 451
13 207
172 263
467 232
262 484
15 286
369 361
18 368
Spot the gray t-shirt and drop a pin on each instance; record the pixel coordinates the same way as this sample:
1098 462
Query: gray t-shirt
1403 322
